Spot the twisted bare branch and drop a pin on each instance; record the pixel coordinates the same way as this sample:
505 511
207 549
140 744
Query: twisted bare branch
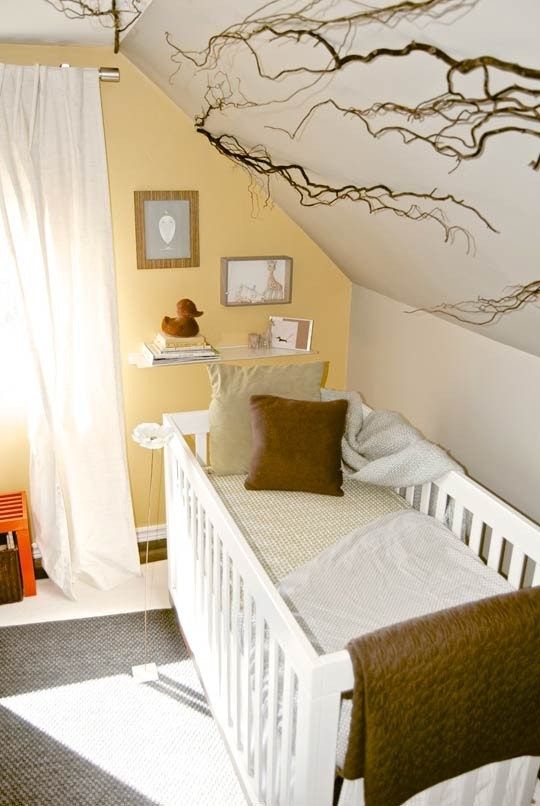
452 124
485 310
415 206
118 15
304 20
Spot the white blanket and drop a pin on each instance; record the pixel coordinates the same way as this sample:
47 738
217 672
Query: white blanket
385 449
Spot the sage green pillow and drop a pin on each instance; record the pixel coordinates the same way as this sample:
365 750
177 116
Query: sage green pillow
232 386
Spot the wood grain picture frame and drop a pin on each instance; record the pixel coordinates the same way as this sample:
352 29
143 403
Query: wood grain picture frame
256 280
167 228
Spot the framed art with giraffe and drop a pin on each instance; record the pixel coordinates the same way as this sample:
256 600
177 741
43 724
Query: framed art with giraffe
256 280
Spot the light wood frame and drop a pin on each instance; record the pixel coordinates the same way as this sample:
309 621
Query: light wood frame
238 625
226 263
302 339
145 262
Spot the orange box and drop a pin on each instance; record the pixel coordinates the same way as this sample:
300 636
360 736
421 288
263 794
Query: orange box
14 518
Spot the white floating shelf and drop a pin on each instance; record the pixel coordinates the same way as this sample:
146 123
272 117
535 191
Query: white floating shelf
227 353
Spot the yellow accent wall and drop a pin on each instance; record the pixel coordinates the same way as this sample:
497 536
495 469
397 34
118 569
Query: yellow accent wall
151 145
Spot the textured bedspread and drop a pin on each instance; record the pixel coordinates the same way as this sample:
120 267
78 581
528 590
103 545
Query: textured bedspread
286 529
443 694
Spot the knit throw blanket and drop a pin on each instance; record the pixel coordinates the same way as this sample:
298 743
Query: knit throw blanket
443 694
385 449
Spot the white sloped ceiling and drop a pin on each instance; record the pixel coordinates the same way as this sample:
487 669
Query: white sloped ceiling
409 261
44 21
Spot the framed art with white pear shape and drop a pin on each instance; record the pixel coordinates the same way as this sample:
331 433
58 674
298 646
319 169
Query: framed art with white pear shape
167 228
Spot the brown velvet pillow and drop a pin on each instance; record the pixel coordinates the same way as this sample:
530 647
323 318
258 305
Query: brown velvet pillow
296 445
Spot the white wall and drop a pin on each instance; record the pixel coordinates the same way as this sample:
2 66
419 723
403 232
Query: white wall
476 397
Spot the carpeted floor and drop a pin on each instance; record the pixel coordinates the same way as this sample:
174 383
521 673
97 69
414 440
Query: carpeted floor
76 729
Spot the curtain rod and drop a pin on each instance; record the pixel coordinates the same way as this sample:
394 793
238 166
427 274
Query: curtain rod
105 73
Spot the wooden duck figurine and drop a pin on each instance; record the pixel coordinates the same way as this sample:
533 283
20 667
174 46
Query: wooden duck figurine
184 324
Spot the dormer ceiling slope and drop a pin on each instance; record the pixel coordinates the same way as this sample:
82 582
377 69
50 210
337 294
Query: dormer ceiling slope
439 230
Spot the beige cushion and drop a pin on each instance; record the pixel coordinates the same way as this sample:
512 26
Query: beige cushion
232 386
296 445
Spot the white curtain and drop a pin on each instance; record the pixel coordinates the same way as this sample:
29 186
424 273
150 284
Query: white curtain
56 240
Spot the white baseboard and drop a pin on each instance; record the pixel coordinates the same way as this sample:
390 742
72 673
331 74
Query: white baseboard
157 531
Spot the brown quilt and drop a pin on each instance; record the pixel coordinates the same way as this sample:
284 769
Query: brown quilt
439 695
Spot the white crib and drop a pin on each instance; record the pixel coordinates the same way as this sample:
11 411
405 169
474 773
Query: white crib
276 700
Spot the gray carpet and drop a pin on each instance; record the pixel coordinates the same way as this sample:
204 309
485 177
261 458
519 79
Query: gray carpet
76 729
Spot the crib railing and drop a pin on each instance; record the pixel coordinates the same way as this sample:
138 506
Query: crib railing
276 700
505 540
274 697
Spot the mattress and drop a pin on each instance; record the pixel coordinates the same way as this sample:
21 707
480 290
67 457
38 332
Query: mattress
287 529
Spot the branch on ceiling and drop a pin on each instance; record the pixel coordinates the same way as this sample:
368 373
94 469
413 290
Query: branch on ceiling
455 124
118 15
311 192
485 310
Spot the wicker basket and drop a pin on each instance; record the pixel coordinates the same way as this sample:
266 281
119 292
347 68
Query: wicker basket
11 589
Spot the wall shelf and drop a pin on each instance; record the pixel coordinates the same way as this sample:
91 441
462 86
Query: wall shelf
227 353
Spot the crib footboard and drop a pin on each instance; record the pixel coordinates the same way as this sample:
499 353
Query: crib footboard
276 700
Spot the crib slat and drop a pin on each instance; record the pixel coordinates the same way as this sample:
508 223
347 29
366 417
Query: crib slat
517 565
258 749
457 519
475 538
198 548
225 629
536 575
440 509
247 706
193 539
287 722
185 493
271 732
425 498
528 782
409 495
217 600
497 787
201 526
209 576
469 786
495 550
234 715
200 447
193 514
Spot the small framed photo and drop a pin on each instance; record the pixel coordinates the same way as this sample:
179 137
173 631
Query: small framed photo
291 334
167 228
256 280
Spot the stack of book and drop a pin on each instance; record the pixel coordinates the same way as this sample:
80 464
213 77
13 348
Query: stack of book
171 350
